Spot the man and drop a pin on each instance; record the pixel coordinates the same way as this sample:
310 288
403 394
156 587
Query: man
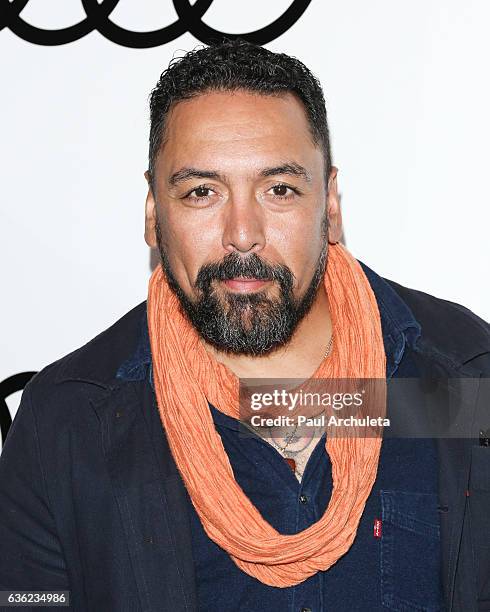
126 477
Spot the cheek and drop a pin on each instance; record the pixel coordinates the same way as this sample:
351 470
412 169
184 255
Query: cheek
188 246
299 244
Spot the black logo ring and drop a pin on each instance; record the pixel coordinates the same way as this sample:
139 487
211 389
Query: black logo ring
10 385
97 18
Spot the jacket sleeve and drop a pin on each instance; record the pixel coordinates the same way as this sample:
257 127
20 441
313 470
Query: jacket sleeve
31 557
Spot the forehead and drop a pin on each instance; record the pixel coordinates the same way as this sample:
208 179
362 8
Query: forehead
232 126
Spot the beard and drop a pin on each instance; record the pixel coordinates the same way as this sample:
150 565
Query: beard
251 324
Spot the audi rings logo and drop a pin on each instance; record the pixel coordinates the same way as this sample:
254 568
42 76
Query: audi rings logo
98 18
10 385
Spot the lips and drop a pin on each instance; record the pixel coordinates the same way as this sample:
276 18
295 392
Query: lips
244 285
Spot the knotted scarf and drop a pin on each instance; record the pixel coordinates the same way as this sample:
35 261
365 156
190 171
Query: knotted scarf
186 377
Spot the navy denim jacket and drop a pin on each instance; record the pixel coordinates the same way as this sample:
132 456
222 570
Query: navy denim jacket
401 568
91 499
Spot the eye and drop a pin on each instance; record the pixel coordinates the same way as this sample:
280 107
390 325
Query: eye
283 192
199 194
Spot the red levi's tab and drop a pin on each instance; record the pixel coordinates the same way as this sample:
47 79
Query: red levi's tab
377 531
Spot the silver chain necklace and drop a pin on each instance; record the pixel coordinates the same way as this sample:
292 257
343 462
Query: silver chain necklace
290 437
329 346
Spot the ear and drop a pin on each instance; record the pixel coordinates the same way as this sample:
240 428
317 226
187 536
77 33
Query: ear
333 209
150 215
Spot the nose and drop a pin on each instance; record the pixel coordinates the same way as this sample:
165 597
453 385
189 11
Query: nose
243 229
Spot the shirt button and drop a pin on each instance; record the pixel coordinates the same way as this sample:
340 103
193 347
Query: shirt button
304 500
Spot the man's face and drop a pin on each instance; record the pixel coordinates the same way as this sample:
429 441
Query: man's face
239 215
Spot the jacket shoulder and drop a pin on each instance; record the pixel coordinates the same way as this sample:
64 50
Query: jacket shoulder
448 328
97 360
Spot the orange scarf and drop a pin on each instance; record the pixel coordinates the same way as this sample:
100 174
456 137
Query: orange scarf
186 376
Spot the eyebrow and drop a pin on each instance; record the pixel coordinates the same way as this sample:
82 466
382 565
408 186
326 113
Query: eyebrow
186 173
291 168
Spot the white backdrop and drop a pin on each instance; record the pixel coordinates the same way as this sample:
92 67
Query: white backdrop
408 102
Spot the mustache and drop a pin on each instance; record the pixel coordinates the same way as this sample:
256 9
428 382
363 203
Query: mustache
234 266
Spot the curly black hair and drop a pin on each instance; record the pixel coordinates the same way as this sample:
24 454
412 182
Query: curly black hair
233 65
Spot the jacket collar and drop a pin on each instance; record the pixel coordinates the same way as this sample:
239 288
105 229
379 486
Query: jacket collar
123 350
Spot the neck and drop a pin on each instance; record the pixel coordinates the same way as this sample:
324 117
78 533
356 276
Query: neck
299 358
